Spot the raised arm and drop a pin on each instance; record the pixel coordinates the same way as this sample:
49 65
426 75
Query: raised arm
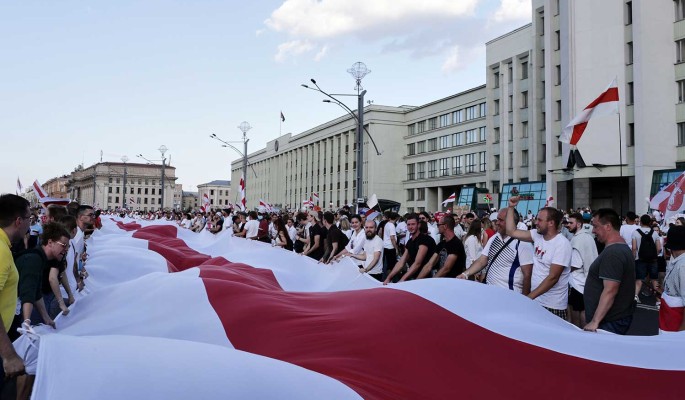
511 225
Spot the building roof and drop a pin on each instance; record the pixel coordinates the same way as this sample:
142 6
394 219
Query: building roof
216 183
188 193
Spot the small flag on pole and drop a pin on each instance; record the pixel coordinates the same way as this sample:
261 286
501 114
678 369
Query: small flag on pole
20 188
450 199
282 117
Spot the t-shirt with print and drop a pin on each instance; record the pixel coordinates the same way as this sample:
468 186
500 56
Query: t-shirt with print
557 251
453 246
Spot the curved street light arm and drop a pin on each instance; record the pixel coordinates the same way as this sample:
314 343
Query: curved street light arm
378 152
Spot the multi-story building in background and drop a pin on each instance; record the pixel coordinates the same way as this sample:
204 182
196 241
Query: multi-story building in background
110 185
56 187
219 193
190 201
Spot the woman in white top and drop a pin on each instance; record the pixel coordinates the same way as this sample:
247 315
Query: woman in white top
472 244
345 227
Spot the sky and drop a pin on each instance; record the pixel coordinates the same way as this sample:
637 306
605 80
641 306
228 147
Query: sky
83 78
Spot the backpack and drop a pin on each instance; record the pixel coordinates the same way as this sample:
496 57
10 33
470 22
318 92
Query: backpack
647 250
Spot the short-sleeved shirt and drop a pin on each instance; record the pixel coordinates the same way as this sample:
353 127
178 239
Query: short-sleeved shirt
356 244
31 266
638 238
615 263
627 233
452 246
413 249
371 247
388 231
504 271
316 230
9 279
252 229
557 251
335 235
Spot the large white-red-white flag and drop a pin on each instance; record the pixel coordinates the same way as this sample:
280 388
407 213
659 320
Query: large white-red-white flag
669 200
605 104
243 202
263 322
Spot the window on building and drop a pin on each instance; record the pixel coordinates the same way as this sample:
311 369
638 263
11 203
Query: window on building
524 99
524 70
432 168
458 116
541 23
458 138
470 136
470 163
154 183
555 7
110 180
631 134
411 149
471 112
542 59
482 161
631 93
510 132
524 158
139 189
109 189
495 104
557 75
679 9
410 172
511 159
510 70
495 187
496 135
146 191
481 134
421 194
495 78
628 17
681 133
421 170
433 123
410 194
445 142
109 199
629 53
557 40
421 126
680 50
543 152
496 162
444 167
432 144
511 103
524 129
118 180
543 121
421 147
559 147
412 129
444 120
681 90
558 116
482 110
457 165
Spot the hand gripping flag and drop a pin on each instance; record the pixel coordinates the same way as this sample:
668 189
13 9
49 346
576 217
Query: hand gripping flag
450 199
230 296
605 104
669 200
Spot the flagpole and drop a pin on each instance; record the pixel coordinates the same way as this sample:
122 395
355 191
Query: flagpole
620 164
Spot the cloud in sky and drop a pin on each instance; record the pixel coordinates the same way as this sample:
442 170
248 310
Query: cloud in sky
512 10
453 30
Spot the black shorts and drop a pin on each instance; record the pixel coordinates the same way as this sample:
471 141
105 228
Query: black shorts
644 268
576 300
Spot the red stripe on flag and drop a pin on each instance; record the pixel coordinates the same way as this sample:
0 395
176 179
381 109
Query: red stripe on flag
388 344
577 132
611 94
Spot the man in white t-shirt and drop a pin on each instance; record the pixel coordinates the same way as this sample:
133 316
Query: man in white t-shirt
373 252
629 228
390 246
551 258
584 254
252 226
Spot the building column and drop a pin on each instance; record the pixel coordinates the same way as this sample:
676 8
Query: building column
582 192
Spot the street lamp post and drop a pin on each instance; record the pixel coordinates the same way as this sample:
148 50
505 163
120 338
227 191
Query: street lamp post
358 71
162 149
124 159
244 127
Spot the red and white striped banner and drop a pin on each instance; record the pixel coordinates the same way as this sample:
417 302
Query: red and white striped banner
605 104
262 322
243 202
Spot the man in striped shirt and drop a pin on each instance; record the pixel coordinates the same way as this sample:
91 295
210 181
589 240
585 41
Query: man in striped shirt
509 261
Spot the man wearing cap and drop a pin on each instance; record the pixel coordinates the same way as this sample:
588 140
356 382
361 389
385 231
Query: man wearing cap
609 287
672 311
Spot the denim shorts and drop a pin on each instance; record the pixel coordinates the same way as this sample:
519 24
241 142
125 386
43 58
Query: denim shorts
643 268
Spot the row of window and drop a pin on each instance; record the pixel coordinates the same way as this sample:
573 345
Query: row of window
456 117
211 192
446 141
133 181
138 200
524 160
457 165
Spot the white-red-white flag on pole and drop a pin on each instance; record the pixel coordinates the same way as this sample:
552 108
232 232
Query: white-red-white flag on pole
605 104
315 198
131 201
669 200
205 202
264 204
549 202
20 188
39 190
243 202
450 199
307 203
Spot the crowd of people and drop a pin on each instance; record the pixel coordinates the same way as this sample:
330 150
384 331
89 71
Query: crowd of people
587 267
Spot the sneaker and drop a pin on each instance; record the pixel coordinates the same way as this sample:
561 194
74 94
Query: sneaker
637 299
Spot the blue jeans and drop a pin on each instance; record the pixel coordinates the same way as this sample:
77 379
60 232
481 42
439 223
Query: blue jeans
619 326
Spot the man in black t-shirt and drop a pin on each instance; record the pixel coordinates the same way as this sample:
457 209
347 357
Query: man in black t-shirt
335 239
419 250
316 246
449 259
